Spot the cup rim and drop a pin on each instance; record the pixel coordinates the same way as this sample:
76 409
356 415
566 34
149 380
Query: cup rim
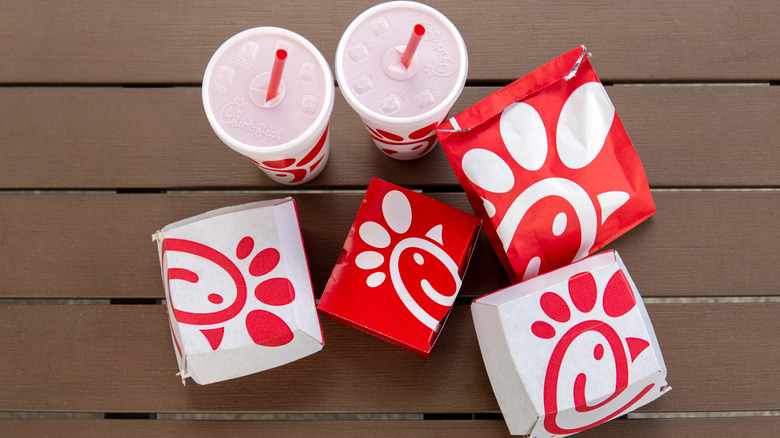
442 107
295 145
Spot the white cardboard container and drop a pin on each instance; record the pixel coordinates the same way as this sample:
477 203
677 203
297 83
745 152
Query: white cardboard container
570 349
238 291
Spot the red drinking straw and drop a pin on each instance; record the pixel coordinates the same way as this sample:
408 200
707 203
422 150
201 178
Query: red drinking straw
411 46
276 74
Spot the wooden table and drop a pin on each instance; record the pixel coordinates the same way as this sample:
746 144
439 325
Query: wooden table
103 140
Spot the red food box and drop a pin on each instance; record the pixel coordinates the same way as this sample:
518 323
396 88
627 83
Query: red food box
401 267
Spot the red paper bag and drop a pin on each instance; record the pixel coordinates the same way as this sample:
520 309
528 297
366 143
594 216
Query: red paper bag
547 164
401 267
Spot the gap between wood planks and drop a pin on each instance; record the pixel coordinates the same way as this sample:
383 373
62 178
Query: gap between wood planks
458 301
469 83
292 191
346 417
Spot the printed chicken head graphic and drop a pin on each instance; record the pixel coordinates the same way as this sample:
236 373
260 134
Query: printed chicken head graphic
209 291
299 171
409 262
550 178
405 146
594 353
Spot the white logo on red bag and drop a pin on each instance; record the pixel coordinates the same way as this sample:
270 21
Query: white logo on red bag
582 128
397 213
587 328
213 310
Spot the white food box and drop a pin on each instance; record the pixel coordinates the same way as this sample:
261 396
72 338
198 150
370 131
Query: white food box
570 349
238 291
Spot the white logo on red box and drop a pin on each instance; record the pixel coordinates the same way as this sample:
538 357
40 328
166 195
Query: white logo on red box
397 214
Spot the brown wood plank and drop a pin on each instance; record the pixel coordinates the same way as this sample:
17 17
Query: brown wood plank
131 42
91 245
644 428
720 357
688 136
159 138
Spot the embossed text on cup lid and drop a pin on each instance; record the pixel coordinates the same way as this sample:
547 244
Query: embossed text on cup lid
235 83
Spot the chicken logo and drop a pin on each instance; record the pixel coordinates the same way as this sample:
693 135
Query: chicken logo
587 325
398 146
410 260
224 300
547 182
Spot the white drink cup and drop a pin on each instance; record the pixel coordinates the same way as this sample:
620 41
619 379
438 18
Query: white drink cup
286 136
401 106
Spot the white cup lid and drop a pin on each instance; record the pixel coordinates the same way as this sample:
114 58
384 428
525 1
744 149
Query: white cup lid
368 66
236 80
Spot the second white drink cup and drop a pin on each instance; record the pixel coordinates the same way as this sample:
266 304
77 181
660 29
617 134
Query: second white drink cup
401 105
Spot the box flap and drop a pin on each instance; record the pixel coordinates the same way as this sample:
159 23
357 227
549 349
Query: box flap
217 366
297 269
511 394
218 212
537 284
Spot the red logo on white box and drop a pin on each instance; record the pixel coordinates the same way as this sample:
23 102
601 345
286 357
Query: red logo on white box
575 329
198 303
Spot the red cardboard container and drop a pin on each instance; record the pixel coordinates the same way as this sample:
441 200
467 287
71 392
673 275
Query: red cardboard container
546 162
401 267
